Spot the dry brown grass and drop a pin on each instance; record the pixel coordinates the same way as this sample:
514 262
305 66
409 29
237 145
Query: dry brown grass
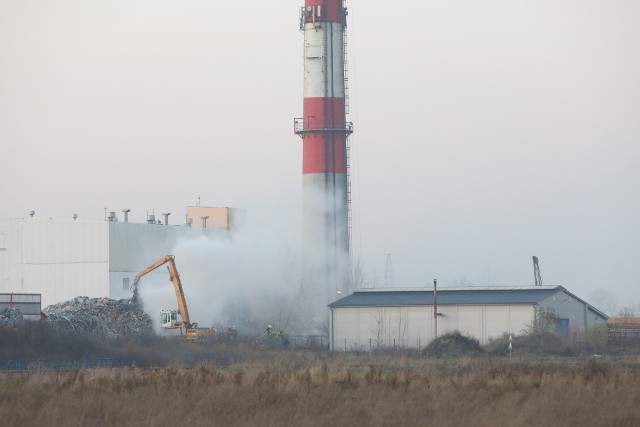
311 389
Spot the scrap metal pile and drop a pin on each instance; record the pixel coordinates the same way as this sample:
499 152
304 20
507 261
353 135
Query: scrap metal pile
11 316
100 317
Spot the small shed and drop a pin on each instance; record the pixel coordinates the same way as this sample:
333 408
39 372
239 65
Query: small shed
372 318
29 304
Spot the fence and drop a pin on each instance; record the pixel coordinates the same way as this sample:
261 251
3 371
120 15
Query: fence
345 344
58 365
621 336
309 341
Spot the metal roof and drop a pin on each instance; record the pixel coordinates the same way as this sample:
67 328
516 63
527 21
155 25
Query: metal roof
448 296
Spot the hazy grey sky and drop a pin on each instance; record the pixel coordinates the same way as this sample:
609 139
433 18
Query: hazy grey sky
485 131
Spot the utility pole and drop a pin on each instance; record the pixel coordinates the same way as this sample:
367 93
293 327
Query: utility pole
435 308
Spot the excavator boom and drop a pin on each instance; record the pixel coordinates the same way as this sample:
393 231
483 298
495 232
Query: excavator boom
177 285
537 277
188 330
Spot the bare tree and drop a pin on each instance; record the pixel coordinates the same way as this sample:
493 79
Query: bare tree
544 321
378 326
604 300
401 326
626 311
357 279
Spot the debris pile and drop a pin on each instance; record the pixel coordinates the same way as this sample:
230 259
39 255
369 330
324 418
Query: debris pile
11 316
453 344
100 317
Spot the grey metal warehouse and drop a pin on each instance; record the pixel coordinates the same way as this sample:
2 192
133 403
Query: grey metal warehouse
405 318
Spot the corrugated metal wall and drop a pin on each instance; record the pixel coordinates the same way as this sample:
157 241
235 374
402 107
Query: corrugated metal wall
365 327
58 259
579 315
63 259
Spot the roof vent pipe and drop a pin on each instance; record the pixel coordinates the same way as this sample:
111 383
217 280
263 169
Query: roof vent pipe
166 217
151 219
111 216
74 216
32 213
126 214
204 221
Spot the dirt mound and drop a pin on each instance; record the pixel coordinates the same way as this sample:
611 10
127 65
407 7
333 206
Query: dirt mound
11 316
453 345
102 317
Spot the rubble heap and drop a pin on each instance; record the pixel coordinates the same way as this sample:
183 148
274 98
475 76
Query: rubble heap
11 316
100 317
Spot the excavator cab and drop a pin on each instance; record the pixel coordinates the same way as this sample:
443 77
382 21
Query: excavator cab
168 319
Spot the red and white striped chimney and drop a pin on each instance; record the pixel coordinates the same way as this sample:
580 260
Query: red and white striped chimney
324 132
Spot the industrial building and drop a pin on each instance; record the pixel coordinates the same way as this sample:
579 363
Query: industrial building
63 259
406 318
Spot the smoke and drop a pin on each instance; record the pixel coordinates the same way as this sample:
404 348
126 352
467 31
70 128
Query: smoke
248 280
325 251
256 277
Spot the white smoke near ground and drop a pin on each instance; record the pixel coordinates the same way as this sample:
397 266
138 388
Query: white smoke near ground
253 278
248 281
325 252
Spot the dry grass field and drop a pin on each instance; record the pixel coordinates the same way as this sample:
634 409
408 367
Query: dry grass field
319 389
168 382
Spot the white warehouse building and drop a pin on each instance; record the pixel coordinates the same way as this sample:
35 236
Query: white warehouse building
63 259
405 318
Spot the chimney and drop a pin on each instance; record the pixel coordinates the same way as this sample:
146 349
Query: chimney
126 214
166 217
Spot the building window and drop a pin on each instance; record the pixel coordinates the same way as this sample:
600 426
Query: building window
125 283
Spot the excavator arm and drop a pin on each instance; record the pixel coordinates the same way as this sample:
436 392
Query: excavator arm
182 302
177 285
537 277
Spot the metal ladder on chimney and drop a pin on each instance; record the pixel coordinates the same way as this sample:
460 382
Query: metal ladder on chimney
348 139
345 57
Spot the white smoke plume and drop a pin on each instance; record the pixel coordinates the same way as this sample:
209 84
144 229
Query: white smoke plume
248 281
253 278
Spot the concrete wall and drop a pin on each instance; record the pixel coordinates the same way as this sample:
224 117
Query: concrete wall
413 326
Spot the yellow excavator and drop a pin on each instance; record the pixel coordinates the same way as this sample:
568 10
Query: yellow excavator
169 318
